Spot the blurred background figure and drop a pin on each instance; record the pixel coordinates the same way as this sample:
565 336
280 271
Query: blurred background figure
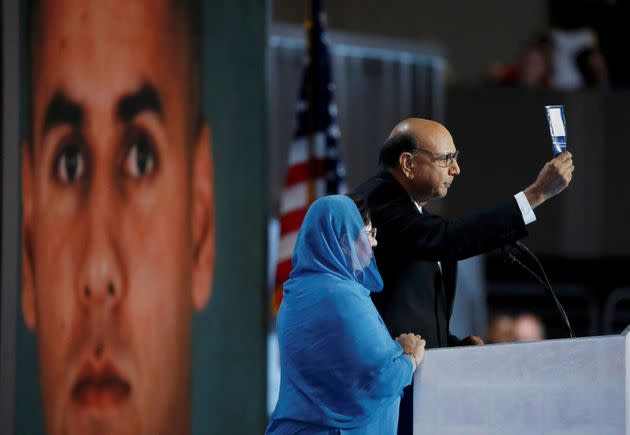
568 44
533 69
528 327
592 66
500 328
504 328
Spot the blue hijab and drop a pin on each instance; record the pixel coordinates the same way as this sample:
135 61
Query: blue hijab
339 366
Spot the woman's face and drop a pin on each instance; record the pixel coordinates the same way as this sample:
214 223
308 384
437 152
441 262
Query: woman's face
371 234
364 244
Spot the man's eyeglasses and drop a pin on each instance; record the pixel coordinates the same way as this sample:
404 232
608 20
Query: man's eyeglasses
371 233
442 160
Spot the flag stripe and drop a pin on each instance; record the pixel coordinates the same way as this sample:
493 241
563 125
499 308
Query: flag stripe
314 168
292 221
283 270
297 196
300 153
287 242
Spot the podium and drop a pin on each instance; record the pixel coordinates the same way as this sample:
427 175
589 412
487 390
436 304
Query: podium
554 387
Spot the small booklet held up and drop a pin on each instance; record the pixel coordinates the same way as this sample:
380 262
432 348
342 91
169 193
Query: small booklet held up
557 128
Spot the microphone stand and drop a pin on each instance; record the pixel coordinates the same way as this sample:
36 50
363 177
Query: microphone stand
545 284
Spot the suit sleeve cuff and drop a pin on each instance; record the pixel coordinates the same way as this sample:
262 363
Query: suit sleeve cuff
526 209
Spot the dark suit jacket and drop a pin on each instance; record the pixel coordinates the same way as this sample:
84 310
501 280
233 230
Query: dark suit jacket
417 297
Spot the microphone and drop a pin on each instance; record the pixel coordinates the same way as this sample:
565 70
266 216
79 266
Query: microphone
545 284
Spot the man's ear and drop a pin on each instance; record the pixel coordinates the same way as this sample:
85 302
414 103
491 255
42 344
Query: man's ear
203 220
406 164
28 282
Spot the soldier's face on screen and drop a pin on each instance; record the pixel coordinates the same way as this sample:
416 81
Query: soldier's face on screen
118 217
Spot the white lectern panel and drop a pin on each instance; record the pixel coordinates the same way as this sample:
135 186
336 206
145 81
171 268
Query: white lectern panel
556 387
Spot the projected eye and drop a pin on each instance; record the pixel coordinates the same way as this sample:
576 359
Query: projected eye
69 163
141 159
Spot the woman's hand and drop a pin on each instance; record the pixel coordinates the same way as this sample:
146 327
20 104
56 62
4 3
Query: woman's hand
413 346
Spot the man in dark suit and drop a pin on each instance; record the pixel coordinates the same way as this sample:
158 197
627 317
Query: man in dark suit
417 252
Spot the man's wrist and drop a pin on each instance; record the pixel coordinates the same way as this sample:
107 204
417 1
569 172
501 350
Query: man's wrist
534 197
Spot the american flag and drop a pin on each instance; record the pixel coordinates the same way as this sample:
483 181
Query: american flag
315 167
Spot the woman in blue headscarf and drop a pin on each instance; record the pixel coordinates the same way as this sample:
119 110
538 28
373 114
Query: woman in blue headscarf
341 372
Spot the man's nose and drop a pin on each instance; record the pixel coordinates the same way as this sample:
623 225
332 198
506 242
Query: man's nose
100 279
455 169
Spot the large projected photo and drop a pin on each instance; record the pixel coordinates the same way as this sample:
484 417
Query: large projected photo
118 215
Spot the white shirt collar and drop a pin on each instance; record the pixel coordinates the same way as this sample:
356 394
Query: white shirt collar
418 206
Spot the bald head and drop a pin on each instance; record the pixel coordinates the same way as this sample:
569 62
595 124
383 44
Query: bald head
422 129
412 134
528 327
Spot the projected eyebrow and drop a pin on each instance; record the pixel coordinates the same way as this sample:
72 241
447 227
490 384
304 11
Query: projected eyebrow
145 99
62 111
